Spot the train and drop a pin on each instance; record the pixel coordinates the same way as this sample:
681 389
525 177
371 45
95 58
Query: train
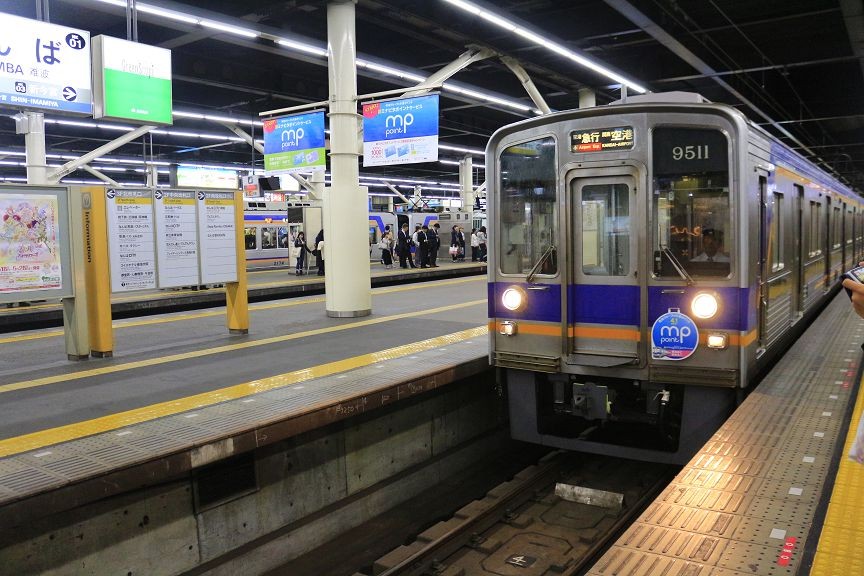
648 260
269 229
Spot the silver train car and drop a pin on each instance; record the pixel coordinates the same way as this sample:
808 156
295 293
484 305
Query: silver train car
647 260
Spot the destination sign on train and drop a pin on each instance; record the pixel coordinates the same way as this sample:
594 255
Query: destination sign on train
602 139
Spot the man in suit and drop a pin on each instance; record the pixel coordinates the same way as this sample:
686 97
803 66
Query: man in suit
403 244
434 243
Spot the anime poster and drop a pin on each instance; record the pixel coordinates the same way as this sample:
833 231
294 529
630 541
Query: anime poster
29 243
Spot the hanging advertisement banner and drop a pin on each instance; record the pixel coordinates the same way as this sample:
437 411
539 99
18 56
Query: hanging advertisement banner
294 143
44 66
217 237
131 81
131 239
402 131
176 238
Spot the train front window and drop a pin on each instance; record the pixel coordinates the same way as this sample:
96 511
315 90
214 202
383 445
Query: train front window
692 227
606 230
527 198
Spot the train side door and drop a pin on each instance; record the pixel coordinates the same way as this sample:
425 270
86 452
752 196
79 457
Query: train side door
604 294
763 259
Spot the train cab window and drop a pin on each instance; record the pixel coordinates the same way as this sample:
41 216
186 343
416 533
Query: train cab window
606 230
268 238
250 238
691 207
528 196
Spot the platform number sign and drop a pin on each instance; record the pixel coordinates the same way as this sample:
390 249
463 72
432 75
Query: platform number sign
674 336
521 560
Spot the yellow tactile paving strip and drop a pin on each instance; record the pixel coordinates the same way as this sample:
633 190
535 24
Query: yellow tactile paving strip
841 543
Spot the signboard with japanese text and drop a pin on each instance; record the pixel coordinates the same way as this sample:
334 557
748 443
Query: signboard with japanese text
203 177
294 143
131 81
176 238
44 66
131 239
34 252
217 234
602 139
401 131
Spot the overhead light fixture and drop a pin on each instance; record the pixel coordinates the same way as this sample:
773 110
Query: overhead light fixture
302 47
462 149
228 28
515 28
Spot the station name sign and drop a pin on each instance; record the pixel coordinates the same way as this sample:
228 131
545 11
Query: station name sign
602 139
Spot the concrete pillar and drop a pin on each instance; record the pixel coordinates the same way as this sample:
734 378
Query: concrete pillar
32 125
466 182
348 281
587 98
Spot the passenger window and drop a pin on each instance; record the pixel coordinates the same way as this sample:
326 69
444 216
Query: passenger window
250 238
284 238
528 195
814 249
836 228
775 240
606 230
268 238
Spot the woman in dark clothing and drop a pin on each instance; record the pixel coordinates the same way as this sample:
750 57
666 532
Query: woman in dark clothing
300 242
320 253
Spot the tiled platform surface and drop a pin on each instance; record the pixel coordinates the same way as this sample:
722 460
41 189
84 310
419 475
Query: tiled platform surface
62 476
745 504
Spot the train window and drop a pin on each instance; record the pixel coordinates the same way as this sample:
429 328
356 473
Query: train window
268 238
691 201
836 228
775 238
606 230
284 238
250 238
814 248
528 225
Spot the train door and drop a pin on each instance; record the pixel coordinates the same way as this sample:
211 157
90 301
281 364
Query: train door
763 259
604 296
826 239
800 249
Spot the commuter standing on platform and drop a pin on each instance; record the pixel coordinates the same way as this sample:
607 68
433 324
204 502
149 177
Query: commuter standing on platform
403 247
319 251
423 246
415 243
386 246
475 245
434 244
454 243
300 249
481 240
461 237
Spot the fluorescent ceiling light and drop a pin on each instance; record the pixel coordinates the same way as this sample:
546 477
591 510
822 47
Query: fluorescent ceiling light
301 47
462 149
545 42
228 28
170 14
391 71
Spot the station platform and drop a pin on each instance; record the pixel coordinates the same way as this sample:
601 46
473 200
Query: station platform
264 284
181 393
754 499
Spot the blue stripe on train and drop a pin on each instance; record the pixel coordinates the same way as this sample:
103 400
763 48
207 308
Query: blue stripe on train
619 305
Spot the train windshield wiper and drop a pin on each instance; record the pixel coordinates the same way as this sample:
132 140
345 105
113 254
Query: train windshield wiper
678 266
536 268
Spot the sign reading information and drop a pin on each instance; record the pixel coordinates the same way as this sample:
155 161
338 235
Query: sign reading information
132 81
29 243
132 246
176 238
602 139
402 131
294 143
44 66
217 237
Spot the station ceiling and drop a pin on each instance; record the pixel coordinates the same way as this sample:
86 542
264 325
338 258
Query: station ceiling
793 66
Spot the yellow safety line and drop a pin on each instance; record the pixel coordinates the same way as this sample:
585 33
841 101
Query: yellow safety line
77 430
221 311
227 348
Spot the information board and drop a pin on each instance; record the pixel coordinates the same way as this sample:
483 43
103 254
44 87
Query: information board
401 131
602 139
217 237
131 239
44 66
131 81
176 238
31 249
294 143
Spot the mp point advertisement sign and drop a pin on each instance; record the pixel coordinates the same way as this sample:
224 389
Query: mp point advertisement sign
401 131
294 143
131 81
44 66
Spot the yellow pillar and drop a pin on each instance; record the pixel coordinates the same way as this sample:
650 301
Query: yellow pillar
96 271
237 293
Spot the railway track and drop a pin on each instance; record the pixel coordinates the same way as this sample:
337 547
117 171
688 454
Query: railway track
551 518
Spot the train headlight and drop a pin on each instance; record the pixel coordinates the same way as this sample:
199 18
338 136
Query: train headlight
507 328
717 341
704 306
513 298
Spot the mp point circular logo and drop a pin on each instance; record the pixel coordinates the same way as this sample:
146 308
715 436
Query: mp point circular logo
674 336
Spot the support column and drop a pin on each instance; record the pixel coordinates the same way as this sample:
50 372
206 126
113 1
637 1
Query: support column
466 182
32 125
587 98
348 281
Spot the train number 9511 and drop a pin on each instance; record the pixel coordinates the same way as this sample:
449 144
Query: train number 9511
690 152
